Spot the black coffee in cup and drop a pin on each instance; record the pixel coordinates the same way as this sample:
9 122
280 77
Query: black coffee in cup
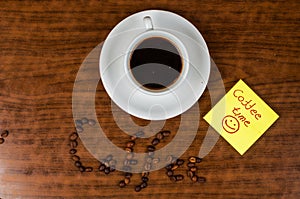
155 63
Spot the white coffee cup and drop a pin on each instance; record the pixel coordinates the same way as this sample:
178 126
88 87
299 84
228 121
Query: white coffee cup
134 98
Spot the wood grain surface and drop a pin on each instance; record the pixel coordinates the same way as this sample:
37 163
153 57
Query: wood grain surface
42 45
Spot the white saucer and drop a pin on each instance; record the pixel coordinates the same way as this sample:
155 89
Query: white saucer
139 102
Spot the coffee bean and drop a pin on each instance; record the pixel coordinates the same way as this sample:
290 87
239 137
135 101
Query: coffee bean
127 180
144 185
4 133
190 164
107 170
138 188
198 160
92 122
89 169
78 164
2 140
102 167
145 174
84 120
155 160
106 163
192 159
126 162
155 141
82 169
128 175
169 158
73 136
174 167
112 162
193 169
79 129
145 179
75 158
190 174
160 136
73 151
122 184
173 178
112 168
179 162
169 173
128 149
179 177
133 137
130 144
78 123
73 144
147 166
169 166
150 148
149 160
166 133
174 160
194 178
109 158
140 134
129 156
133 162
201 179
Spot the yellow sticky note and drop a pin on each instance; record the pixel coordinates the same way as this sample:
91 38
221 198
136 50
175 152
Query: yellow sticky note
241 117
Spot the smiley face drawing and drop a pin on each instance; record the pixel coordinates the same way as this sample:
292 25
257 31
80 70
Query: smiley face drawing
230 124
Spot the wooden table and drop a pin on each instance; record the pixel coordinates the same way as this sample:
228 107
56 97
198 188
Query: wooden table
43 44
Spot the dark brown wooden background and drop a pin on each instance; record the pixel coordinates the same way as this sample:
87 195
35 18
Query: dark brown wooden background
42 45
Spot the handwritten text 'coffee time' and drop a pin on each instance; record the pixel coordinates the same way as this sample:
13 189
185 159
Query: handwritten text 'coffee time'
248 106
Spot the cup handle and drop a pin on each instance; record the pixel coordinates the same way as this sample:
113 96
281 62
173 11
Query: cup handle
148 23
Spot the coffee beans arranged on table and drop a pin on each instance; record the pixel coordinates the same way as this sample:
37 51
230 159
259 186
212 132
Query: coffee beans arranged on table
174 164
73 145
150 160
129 159
192 169
81 122
3 136
108 164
